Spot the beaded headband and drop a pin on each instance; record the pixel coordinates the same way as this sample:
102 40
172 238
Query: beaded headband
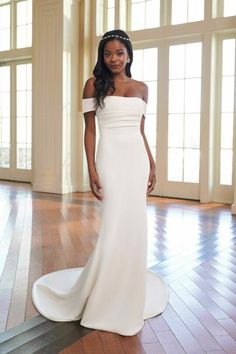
116 36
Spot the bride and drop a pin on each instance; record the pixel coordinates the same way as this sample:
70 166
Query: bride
114 291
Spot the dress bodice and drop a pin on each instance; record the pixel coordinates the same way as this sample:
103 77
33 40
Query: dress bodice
118 111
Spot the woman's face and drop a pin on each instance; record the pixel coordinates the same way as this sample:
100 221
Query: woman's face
115 56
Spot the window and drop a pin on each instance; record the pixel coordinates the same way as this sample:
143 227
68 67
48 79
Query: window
227 111
184 112
145 14
144 68
184 11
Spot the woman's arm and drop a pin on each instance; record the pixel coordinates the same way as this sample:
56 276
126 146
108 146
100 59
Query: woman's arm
152 175
90 142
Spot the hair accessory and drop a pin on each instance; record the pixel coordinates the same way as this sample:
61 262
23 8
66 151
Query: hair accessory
116 36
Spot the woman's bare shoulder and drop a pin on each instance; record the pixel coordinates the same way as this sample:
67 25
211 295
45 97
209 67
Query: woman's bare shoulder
141 87
88 91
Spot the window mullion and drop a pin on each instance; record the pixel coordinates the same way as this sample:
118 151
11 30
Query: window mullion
13 25
117 14
105 15
165 12
220 8
128 15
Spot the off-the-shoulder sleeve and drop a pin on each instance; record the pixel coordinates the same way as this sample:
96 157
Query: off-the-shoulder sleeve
88 105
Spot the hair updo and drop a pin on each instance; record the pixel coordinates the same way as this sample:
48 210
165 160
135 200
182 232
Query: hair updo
103 77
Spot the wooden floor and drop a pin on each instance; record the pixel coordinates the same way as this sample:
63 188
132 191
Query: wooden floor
191 245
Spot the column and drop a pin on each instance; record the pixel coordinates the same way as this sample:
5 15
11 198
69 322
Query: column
55 96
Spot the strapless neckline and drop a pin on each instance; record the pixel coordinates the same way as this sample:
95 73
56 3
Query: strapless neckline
116 96
134 97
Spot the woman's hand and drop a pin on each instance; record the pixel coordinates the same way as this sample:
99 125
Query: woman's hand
95 185
151 179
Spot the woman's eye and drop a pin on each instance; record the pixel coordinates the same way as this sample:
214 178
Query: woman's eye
106 54
120 53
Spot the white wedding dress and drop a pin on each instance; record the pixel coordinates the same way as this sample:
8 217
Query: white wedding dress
114 291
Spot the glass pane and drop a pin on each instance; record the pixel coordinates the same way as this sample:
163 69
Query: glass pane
24 23
177 58
5 17
150 129
175 164
193 95
5 117
99 17
29 103
21 129
5 106
145 14
227 103
152 97
187 11
191 165
176 96
110 19
195 10
21 13
137 15
5 23
150 64
229 7
4 79
193 60
137 65
152 13
192 130
227 123
179 11
23 116
228 54
226 158
176 130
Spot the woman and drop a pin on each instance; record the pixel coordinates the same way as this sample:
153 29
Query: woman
114 291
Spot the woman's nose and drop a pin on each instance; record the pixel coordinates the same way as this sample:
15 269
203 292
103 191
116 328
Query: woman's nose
113 58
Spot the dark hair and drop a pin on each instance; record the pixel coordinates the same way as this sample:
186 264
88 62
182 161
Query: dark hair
103 77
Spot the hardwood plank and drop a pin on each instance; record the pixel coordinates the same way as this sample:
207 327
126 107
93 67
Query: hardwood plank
153 348
19 294
197 329
169 342
131 345
75 348
181 332
147 334
92 344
